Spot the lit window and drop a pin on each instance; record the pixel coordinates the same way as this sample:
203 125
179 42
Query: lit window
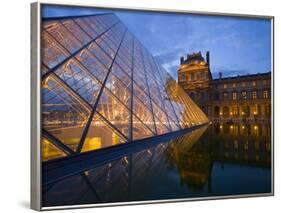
254 83
265 94
225 86
244 95
235 110
254 94
256 109
234 96
234 85
243 84
182 77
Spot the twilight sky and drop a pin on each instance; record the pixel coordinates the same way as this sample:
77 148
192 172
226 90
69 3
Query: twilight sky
237 46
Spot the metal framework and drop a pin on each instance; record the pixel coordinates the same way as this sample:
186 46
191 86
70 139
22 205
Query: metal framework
74 164
102 88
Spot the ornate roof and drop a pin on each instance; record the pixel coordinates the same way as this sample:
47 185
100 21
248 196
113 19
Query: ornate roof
193 61
194 58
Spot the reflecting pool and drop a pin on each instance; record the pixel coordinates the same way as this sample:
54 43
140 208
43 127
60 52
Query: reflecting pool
216 160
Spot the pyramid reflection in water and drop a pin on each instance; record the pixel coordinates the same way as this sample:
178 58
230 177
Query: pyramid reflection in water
101 87
135 176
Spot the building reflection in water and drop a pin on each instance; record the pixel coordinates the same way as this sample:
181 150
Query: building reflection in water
222 159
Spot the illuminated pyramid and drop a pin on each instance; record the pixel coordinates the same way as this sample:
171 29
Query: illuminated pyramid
101 87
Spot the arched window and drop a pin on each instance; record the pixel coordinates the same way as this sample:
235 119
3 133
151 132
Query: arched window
217 111
225 111
246 111
257 110
235 111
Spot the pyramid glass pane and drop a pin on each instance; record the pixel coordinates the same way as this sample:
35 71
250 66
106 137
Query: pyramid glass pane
86 28
63 114
50 151
100 54
44 69
77 31
79 79
92 64
62 35
121 75
144 114
140 130
52 52
102 87
114 112
119 90
100 136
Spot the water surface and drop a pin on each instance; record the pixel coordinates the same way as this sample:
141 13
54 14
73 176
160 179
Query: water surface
221 159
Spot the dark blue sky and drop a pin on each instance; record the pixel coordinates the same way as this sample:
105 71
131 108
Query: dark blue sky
236 45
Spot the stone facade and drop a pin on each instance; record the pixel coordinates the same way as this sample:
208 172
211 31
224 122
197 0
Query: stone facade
244 98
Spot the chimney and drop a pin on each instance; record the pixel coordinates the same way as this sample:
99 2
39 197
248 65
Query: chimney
208 58
220 75
182 59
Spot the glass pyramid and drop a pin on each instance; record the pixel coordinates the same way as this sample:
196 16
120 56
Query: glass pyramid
102 87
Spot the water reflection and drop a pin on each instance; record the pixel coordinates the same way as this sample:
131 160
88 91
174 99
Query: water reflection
226 159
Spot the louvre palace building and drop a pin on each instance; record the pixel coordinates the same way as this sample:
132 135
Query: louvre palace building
241 98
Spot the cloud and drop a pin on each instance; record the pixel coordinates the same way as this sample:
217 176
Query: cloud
237 45
168 37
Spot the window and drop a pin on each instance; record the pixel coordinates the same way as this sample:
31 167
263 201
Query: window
225 86
267 110
243 84
254 94
265 94
256 109
254 83
192 76
234 85
234 96
225 95
182 77
264 82
244 95
246 111
202 75
235 110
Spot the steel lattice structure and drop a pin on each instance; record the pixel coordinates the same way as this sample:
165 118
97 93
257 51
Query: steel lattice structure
101 87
